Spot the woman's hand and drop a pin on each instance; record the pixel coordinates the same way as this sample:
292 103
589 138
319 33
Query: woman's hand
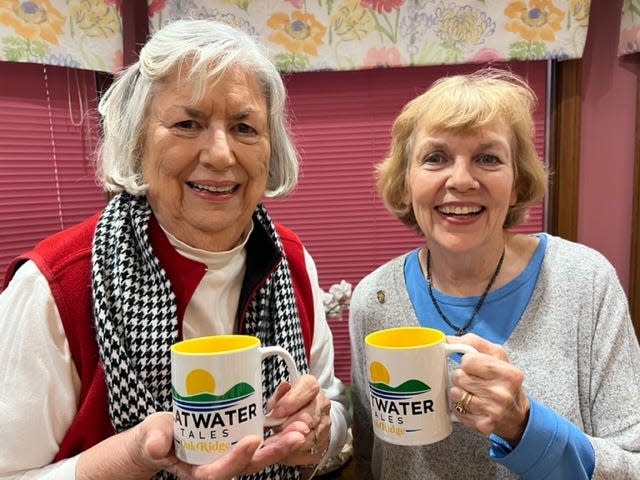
498 404
147 448
305 406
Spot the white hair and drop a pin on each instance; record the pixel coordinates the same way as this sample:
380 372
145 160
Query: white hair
208 49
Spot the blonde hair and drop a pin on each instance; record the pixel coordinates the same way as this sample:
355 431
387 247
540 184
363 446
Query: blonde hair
465 103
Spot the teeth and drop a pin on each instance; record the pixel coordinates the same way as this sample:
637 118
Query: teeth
458 210
209 188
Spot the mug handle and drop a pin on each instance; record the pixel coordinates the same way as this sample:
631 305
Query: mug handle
293 376
450 348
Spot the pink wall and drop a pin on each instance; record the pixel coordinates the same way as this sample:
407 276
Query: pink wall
607 139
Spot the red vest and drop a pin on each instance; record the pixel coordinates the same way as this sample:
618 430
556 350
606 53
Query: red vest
65 260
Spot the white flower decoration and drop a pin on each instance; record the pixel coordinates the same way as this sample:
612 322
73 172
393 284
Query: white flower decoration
337 299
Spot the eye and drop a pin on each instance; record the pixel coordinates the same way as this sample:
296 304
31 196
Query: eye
245 128
488 160
187 124
434 158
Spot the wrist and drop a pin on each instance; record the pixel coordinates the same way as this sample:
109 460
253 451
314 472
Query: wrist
514 434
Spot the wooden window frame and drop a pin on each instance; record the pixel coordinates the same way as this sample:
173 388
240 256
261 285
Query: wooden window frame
634 270
564 149
564 163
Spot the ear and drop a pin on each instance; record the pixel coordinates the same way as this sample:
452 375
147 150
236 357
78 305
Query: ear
514 196
406 191
406 195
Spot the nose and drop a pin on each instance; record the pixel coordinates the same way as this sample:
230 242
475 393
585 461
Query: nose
216 150
461 176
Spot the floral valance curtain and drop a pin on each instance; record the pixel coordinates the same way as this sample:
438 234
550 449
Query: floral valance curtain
310 34
83 34
629 27
356 34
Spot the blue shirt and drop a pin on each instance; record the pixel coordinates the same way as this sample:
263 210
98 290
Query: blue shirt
551 446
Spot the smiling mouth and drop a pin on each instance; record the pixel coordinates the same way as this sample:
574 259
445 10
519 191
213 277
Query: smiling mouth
211 189
459 211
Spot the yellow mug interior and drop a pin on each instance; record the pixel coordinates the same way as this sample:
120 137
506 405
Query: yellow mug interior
404 337
215 344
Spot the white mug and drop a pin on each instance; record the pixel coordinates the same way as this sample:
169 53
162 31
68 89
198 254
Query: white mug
408 384
217 394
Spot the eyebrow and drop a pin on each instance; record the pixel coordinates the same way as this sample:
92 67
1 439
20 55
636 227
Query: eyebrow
434 144
242 114
481 146
494 145
193 112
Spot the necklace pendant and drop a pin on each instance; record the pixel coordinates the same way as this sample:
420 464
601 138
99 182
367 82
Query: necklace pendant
461 330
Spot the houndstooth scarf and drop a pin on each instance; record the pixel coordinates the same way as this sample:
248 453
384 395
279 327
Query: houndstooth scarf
136 318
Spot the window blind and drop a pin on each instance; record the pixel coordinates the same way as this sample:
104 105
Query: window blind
341 122
47 138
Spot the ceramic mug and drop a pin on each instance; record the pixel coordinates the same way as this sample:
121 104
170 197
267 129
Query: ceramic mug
408 384
217 393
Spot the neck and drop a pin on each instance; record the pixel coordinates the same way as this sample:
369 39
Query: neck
464 274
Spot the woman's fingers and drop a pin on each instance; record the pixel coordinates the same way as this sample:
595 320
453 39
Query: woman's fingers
497 403
303 392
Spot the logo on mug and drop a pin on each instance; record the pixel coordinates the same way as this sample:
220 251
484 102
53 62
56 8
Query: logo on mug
204 418
391 406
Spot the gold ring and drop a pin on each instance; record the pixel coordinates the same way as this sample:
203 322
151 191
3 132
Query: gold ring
462 405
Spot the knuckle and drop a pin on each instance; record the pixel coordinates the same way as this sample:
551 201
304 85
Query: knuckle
307 418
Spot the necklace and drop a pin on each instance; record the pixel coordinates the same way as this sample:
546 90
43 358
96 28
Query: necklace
461 330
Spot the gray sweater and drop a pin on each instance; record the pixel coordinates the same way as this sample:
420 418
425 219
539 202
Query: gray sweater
575 344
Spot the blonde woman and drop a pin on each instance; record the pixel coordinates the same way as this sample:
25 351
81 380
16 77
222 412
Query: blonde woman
553 389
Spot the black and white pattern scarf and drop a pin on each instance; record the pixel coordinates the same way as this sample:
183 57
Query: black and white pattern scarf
136 318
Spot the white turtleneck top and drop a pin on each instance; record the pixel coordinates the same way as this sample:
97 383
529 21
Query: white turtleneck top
35 357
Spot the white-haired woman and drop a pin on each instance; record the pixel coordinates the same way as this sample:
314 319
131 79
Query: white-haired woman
194 135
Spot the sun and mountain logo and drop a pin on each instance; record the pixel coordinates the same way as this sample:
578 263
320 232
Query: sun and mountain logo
206 423
200 393
396 410
379 384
